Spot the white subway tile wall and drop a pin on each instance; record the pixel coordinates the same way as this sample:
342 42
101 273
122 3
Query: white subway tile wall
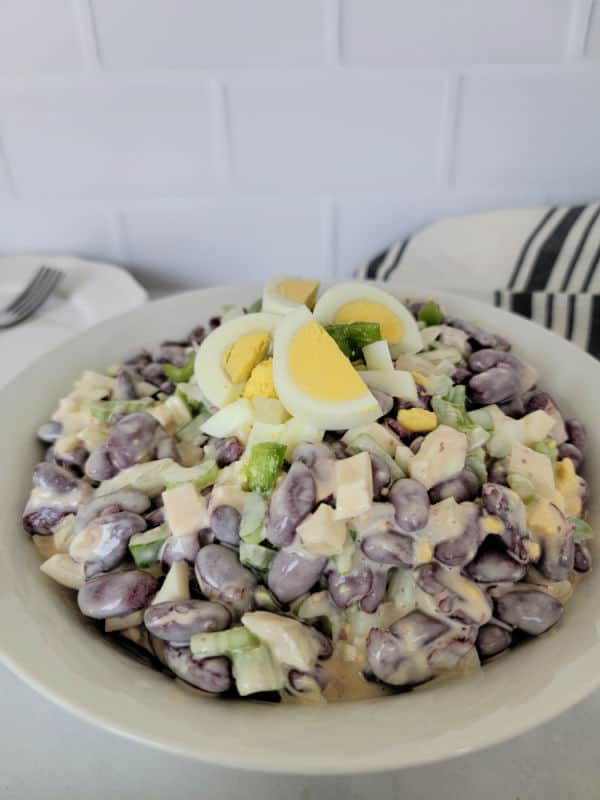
210 141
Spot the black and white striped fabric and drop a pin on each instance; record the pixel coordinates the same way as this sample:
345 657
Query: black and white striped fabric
542 263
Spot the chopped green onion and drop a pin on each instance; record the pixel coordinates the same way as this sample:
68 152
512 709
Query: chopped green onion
339 334
264 464
353 336
181 374
581 529
522 486
222 643
482 417
255 307
104 409
201 475
430 314
475 462
454 414
252 524
192 432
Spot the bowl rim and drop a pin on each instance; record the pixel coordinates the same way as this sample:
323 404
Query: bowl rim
253 758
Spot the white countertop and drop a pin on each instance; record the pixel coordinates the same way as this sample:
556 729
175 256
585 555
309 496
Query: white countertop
47 753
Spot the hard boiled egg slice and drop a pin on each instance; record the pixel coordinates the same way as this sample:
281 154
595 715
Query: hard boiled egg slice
227 356
282 295
314 379
359 302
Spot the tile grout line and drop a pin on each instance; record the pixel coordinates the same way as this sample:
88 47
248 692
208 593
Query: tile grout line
88 38
449 129
328 218
220 124
577 32
332 33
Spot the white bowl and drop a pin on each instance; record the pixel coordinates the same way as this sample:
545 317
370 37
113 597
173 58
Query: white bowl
47 642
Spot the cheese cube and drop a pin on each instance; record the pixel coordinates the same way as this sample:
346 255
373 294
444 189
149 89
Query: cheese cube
185 510
534 466
353 486
321 533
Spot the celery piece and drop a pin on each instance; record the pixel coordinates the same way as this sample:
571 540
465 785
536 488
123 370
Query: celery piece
201 475
452 412
192 432
482 417
104 409
253 519
430 314
545 448
222 643
192 397
581 529
264 464
352 337
475 462
367 444
522 486
145 547
339 334
181 374
256 556
255 671
255 307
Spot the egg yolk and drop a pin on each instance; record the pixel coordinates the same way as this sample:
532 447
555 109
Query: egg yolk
568 485
299 291
245 354
367 311
320 369
260 382
417 420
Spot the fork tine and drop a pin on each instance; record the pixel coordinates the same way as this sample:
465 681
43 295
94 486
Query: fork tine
35 299
22 296
34 292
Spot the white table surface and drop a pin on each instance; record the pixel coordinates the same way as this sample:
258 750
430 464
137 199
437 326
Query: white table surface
47 753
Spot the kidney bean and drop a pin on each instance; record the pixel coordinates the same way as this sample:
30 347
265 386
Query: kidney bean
558 554
176 622
387 547
582 557
325 644
225 451
54 479
347 589
577 434
498 471
122 500
179 548
133 439
74 460
483 360
49 432
514 407
98 466
116 594
301 682
155 517
454 596
402 433
376 594
211 674
169 353
386 401
103 543
462 486
291 502
477 336
415 445
167 387
225 524
153 373
567 450
124 386
292 573
492 639
461 375
381 476
411 503
197 334
139 360
509 508
495 385
531 611
223 579
494 566
459 550
40 521
447 654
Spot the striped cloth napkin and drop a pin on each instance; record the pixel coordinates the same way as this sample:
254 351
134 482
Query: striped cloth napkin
539 262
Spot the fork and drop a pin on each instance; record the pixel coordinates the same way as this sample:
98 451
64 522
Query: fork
37 291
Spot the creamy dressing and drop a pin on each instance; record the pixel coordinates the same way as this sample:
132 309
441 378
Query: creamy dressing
346 681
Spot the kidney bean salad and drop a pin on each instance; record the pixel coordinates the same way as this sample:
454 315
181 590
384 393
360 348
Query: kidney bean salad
315 502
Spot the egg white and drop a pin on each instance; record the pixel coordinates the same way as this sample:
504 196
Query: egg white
323 414
273 301
336 297
209 372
